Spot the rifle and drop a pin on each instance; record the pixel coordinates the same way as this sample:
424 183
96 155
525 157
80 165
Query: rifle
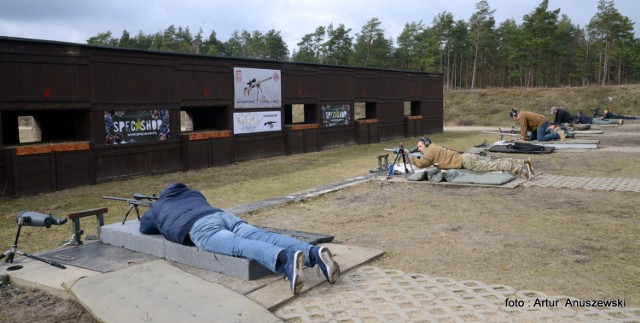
513 130
138 199
254 84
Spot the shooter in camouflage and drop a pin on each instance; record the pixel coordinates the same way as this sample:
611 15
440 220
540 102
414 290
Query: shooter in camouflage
445 158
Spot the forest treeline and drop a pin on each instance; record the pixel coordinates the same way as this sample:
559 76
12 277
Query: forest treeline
545 50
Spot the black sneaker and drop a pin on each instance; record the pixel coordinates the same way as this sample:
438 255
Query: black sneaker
325 262
293 270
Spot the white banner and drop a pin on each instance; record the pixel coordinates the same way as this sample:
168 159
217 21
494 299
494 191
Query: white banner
249 122
256 88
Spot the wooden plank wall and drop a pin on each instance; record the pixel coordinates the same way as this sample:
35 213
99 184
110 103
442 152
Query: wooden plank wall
75 84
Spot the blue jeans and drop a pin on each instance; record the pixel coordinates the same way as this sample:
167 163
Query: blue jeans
226 234
605 121
540 134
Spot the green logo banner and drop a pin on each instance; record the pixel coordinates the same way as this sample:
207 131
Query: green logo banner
336 115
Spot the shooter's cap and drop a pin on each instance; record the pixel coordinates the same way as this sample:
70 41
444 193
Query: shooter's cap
513 113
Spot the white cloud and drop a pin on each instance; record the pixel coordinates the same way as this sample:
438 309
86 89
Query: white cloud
76 21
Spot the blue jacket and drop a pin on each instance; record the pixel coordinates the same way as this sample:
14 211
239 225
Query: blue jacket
173 214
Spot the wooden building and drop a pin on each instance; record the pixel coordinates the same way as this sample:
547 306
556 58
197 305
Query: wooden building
73 115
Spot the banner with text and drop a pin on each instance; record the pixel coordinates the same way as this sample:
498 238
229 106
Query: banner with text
257 88
336 115
122 127
250 122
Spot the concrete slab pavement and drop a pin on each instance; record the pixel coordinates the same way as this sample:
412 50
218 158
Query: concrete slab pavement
166 291
39 275
372 294
156 291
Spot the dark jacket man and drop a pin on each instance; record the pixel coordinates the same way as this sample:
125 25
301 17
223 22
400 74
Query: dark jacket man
561 116
174 199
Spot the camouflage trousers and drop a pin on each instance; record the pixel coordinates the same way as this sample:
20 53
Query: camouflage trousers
487 164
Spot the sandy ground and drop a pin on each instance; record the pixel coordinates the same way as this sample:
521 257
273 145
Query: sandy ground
577 243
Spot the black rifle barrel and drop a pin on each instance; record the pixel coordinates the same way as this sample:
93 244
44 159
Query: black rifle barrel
146 202
118 198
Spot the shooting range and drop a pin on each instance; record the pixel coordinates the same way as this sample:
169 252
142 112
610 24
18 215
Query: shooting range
74 115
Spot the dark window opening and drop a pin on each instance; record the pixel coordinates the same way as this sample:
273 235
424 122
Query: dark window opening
412 108
203 118
365 110
300 113
44 126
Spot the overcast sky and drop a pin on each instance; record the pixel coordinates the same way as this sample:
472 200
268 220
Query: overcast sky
77 20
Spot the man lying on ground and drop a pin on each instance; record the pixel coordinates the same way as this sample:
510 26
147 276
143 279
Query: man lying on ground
610 115
584 119
184 216
445 158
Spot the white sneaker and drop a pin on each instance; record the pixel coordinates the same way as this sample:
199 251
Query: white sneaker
528 161
325 262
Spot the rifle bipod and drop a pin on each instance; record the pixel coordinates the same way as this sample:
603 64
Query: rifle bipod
131 207
400 153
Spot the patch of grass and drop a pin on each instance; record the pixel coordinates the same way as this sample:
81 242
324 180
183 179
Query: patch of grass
490 107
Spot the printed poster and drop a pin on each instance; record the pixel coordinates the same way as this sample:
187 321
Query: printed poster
257 88
336 115
123 127
250 122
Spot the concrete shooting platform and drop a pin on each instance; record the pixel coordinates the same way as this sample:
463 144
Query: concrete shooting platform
563 144
127 236
569 143
557 144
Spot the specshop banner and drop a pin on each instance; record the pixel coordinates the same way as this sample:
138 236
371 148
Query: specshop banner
123 127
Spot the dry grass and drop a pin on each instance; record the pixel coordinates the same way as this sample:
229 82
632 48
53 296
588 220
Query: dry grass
489 107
